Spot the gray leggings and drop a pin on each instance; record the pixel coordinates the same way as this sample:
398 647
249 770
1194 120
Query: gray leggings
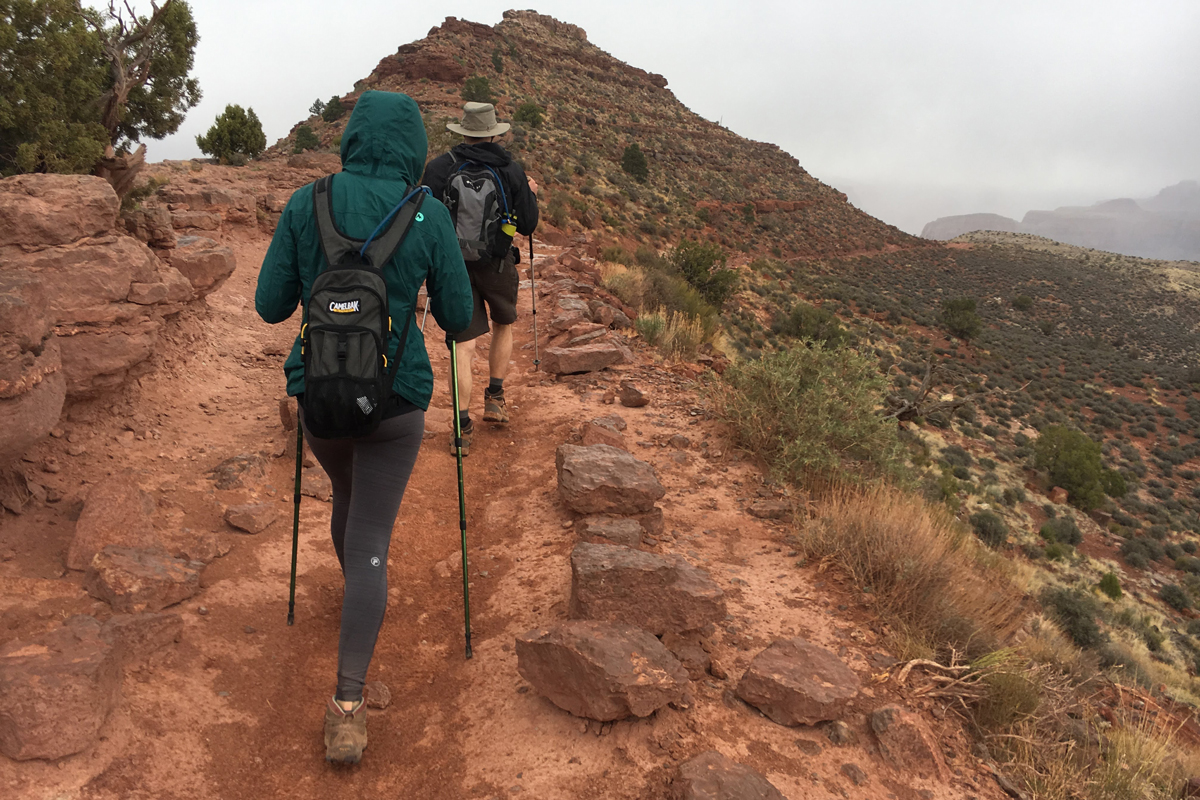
368 476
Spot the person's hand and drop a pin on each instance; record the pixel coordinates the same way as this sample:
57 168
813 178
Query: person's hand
533 187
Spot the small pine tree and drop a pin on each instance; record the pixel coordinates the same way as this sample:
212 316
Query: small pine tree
1110 584
334 110
235 136
1074 463
477 90
306 139
633 161
317 108
959 317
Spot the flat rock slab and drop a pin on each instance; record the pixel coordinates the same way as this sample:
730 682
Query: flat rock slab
133 580
906 743
602 479
712 776
56 691
794 682
116 512
252 517
770 509
656 593
136 636
588 357
615 530
600 670
204 262
596 432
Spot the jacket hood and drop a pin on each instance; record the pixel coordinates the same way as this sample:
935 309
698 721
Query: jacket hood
488 153
385 138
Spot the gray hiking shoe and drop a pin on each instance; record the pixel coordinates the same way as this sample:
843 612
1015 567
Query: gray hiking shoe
468 432
345 732
494 408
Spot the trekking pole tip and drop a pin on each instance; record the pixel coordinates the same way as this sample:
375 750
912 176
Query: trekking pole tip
291 617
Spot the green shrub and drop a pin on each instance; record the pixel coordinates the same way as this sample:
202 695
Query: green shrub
1113 483
334 110
1073 461
959 317
236 135
1110 584
1074 612
810 322
703 266
1061 529
497 60
529 114
810 412
1022 302
477 89
990 528
1193 627
306 139
1056 551
1174 596
957 456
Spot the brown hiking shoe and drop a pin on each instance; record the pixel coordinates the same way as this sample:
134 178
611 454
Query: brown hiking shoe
468 432
345 732
494 408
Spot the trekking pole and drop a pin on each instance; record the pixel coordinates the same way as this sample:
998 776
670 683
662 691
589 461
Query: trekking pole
296 521
462 497
425 316
533 295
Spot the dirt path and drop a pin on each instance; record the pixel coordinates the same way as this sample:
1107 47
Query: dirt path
234 710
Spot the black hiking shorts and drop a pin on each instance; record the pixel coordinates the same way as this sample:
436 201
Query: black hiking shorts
495 294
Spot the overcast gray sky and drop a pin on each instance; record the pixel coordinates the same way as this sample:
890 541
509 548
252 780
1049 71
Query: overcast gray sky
917 109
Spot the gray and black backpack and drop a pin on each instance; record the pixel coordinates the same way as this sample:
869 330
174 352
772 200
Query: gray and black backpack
479 206
344 341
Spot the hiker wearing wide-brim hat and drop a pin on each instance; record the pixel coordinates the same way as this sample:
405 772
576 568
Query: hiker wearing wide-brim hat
479 122
490 199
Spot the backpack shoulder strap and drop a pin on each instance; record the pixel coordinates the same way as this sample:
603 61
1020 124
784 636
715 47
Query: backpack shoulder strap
334 243
382 248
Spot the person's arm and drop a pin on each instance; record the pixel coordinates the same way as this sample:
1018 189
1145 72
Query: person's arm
435 175
525 205
448 285
278 291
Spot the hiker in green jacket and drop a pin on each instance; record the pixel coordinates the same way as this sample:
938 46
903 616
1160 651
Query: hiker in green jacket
383 153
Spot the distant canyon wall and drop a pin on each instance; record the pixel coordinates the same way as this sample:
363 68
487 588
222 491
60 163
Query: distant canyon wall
1166 226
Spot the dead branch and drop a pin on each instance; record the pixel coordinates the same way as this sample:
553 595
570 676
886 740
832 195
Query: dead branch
902 676
904 410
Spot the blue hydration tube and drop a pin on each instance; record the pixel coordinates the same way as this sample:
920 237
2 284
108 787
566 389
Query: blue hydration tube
391 214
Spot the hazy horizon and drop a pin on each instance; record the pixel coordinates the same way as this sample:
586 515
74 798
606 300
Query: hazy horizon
917 110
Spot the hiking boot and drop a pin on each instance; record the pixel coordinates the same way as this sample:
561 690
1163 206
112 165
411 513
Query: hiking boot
345 732
468 431
494 408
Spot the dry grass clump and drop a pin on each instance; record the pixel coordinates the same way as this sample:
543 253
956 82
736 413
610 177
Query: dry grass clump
927 572
675 335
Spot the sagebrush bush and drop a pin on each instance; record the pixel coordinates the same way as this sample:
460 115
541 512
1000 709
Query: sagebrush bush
1175 596
811 414
810 322
1074 612
990 528
1063 530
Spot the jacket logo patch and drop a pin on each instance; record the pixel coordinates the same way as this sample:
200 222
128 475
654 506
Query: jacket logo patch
349 307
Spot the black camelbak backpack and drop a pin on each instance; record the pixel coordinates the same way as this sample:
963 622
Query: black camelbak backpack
348 373
477 203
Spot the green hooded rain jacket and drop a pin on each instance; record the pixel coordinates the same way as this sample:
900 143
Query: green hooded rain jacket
383 153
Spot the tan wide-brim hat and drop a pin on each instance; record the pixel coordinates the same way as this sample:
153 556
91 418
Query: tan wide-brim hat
478 122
